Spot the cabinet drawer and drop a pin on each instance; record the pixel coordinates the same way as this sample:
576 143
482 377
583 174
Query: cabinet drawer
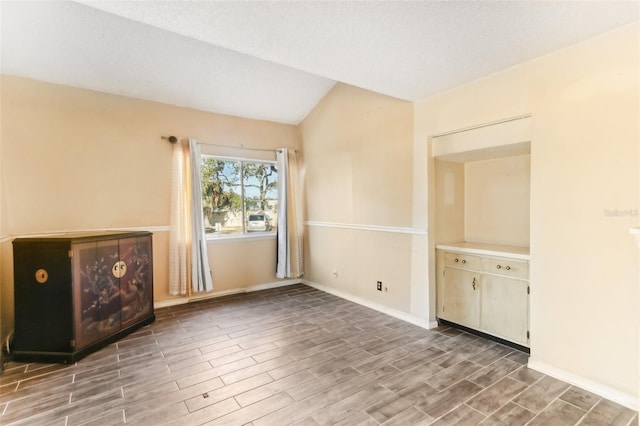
506 267
459 260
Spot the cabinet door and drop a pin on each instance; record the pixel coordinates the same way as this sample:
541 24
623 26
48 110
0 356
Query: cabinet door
505 308
461 297
136 279
96 291
42 291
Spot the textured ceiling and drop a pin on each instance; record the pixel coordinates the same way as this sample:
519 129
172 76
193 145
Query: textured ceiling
276 60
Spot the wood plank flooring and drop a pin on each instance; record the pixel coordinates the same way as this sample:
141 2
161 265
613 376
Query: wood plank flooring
296 355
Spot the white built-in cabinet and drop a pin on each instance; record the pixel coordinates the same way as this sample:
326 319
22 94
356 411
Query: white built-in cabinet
485 287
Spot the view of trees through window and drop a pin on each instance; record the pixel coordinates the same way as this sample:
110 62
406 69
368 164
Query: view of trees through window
239 196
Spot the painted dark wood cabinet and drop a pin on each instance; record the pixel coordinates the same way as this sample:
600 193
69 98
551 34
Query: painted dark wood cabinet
76 294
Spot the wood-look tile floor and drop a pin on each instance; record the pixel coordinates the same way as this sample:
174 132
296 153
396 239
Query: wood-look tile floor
296 355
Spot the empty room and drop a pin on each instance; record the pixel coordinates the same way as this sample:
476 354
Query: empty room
320 213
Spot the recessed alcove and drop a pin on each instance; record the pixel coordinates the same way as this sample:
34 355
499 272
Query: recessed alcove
481 190
480 226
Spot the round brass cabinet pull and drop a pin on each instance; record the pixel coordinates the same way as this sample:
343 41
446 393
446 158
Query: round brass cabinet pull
457 260
464 260
498 267
119 269
508 268
42 276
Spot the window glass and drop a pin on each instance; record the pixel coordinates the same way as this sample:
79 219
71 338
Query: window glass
239 196
261 196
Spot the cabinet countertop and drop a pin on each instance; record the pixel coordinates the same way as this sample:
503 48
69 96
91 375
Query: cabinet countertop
513 252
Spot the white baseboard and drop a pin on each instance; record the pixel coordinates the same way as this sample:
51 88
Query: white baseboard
622 398
420 322
215 294
275 284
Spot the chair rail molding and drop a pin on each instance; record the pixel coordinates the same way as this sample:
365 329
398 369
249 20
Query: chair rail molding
363 227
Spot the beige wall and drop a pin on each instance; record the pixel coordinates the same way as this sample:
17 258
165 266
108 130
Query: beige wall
238 264
496 201
449 202
357 153
76 159
357 148
584 161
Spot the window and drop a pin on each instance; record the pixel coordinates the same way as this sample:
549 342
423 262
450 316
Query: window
239 196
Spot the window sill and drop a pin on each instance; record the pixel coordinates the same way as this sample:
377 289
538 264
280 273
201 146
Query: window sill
241 237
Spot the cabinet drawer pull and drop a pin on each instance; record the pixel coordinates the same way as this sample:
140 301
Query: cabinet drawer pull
457 260
473 284
464 260
508 268
498 267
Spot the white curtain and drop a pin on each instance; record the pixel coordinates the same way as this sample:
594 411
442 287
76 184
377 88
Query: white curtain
179 236
200 272
188 259
290 226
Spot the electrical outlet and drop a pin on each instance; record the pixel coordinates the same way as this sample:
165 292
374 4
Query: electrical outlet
379 285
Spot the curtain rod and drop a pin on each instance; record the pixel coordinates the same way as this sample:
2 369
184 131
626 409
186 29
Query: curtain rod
173 139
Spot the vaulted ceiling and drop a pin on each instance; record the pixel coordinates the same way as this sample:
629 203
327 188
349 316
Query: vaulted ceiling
274 60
